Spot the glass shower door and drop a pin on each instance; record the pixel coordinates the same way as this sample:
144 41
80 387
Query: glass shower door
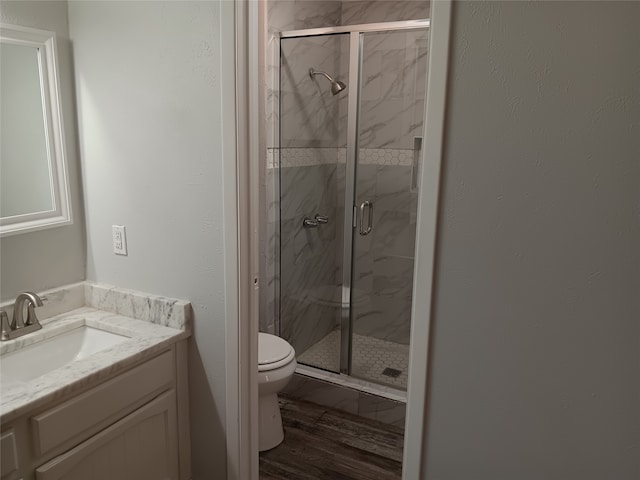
351 112
391 111
312 176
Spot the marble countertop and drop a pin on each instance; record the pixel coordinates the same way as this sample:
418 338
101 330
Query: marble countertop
146 338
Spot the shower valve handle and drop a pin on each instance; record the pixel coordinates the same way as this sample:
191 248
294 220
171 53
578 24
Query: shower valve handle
309 223
314 222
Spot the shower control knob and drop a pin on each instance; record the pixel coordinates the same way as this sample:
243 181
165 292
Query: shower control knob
322 219
309 223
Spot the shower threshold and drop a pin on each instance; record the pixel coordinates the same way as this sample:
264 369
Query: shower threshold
382 363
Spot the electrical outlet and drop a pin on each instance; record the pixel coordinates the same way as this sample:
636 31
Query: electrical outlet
119 239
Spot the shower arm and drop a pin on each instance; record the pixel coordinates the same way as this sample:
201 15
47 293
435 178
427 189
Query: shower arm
313 72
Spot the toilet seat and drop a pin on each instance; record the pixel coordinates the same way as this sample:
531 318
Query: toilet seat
273 352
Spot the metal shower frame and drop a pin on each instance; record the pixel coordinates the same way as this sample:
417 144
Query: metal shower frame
356 36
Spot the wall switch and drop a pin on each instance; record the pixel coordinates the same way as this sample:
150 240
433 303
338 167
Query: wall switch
119 239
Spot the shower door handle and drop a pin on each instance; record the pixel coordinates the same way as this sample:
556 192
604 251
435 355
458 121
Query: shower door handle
363 206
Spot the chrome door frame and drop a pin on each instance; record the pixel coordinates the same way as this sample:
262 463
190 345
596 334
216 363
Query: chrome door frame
367 27
356 38
355 62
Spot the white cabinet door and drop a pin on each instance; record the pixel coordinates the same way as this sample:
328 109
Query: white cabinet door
141 446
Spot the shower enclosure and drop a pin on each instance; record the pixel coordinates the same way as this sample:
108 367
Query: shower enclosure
352 105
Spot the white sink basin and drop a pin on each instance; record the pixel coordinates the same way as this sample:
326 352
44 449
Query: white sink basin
43 357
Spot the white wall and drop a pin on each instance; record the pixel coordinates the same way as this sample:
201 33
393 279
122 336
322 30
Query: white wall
41 260
535 368
148 76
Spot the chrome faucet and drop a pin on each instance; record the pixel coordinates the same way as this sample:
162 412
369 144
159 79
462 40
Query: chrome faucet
19 326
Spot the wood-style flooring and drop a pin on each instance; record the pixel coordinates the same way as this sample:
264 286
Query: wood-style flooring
324 443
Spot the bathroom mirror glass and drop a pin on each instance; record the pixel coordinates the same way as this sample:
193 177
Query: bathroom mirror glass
33 174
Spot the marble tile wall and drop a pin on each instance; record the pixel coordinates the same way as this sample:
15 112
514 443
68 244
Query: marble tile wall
383 266
308 110
393 89
279 15
312 258
356 12
308 255
391 112
284 15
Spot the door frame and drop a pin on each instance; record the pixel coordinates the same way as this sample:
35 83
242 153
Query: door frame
241 174
241 233
414 456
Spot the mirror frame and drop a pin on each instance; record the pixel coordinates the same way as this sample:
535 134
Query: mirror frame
60 215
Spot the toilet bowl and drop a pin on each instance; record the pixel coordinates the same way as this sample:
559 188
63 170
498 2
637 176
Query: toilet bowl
276 364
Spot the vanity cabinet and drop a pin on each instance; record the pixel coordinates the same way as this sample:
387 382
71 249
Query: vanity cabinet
134 425
140 446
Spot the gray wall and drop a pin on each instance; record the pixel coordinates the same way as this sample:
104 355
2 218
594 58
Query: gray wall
48 258
148 76
535 369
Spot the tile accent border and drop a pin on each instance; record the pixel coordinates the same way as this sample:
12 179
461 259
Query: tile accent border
304 157
399 157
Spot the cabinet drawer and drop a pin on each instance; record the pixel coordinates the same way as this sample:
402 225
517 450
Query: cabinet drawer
141 446
86 414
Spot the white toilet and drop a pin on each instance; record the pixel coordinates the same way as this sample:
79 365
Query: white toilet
276 364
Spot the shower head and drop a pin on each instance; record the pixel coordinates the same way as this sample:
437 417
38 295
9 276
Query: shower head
336 85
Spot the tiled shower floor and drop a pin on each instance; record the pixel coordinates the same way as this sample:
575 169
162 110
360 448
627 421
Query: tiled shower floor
371 357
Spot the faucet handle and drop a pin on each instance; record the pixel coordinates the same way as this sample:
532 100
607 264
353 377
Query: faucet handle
6 328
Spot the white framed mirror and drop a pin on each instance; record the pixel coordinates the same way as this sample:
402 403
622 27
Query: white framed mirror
34 191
